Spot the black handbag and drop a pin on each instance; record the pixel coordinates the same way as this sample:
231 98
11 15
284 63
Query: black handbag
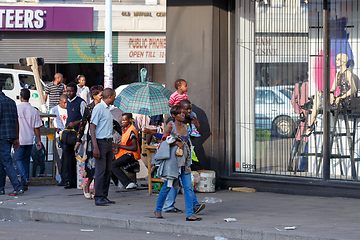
68 136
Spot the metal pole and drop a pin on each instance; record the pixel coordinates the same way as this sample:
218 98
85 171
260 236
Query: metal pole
326 84
108 66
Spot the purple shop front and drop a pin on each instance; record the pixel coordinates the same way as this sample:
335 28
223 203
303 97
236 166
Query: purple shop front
50 19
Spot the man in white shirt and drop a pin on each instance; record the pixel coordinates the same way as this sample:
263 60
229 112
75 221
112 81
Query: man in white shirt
29 122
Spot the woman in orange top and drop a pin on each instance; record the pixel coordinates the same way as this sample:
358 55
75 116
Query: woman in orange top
129 150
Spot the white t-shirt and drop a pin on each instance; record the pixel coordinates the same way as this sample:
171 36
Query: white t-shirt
84 93
61 117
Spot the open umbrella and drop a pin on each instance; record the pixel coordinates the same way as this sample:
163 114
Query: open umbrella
146 98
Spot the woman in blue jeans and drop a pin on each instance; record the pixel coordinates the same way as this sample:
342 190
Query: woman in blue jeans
178 130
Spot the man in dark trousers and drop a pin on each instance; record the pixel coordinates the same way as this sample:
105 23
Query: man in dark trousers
101 129
9 135
75 110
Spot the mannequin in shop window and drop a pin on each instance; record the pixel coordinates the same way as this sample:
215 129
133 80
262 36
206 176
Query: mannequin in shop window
298 99
345 81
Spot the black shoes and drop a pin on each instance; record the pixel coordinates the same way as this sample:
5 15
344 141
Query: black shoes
68 186
109 201
62 183
198 208
103 201
15 193
2 192
25 186
100 202
174 210
195 219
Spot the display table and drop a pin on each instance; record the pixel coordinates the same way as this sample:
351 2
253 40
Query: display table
149 150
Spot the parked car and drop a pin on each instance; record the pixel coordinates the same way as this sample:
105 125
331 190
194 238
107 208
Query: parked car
273 110
13 80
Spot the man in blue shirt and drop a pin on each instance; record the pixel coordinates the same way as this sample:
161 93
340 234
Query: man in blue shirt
9 135
101 127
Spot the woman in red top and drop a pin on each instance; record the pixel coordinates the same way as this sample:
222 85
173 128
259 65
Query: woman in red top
129 150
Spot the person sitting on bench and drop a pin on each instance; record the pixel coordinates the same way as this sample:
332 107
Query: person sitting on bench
129 151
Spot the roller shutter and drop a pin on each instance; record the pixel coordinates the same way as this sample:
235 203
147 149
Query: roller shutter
52 46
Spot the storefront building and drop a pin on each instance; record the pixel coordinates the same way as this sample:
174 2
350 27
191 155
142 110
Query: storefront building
255 63
69 35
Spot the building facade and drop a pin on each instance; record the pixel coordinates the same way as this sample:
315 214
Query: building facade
69 35
255 63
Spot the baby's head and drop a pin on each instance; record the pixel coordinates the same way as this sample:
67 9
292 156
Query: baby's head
181 86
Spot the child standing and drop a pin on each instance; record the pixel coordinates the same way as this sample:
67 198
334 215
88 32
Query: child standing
59 123
180 94
82 90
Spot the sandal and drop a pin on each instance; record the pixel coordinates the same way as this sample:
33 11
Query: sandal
193 219
156 216
87 195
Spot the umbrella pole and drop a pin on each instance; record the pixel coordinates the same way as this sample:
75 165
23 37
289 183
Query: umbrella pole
143 140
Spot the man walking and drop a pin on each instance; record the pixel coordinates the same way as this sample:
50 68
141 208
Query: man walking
9 135
54 90
29 122
75 110
101 128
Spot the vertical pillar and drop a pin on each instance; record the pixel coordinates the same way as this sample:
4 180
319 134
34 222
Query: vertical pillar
244 86
108 66
326 84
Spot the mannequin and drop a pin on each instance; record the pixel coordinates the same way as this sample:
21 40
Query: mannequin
298 99
345 81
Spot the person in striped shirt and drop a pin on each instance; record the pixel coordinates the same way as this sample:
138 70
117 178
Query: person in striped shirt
180 93
175 99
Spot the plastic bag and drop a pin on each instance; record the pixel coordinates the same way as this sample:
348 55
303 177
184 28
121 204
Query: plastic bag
211 200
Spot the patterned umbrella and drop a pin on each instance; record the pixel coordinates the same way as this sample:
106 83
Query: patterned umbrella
146 98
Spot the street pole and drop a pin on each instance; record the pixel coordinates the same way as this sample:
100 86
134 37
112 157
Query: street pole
326 84
108 65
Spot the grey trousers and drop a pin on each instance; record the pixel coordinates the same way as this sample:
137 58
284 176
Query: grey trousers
103 168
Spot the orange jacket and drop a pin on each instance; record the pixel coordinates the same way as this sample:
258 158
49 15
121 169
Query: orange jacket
125 141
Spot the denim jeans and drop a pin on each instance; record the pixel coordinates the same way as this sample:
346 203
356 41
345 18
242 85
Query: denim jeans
7 166
170 199
188 194
304 160
22 160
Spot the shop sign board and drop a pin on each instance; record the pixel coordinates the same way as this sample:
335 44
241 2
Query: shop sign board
142 48
90 47
25 18
275 48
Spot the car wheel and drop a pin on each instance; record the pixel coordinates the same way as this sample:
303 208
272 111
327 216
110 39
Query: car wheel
283 127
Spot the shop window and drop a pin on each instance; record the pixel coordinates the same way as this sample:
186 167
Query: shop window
7 82
281 60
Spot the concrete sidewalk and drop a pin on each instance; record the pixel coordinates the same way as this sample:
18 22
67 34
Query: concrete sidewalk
257 214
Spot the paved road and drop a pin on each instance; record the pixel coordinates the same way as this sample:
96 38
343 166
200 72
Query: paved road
10 230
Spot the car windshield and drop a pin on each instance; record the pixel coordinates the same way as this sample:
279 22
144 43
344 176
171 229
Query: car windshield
27 81
287 92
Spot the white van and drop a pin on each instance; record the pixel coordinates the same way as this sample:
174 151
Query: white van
10 81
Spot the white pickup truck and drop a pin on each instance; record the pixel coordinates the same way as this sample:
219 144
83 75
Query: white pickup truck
13 80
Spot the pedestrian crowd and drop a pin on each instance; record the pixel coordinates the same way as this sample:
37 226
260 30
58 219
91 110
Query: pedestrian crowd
108 140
